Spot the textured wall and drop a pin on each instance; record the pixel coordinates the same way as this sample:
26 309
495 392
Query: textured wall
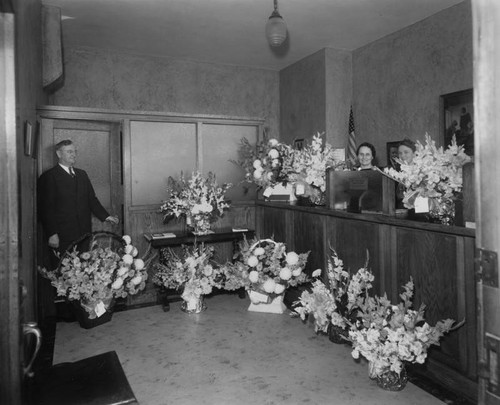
398 79
315 95
302 95
118 81
338 95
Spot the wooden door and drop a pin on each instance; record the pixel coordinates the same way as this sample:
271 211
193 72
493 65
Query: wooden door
486 31
99 154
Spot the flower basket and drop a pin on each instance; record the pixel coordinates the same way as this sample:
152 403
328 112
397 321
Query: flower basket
267 270
262 302
95 270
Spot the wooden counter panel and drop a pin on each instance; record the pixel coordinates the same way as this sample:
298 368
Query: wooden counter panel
439 258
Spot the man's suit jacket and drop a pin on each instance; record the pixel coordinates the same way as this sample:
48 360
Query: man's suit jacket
66 205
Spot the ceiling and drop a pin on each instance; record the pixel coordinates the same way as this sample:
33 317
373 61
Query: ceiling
232 31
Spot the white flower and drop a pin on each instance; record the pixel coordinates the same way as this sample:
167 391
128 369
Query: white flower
128 259
135 252
253 276
259 251
273 142
257 174
279 288
252 261
122 271
292 258
128 249
117 283
136 280
127 239
257 164
273 154
316 273
138 264
269 285
285 273
296 272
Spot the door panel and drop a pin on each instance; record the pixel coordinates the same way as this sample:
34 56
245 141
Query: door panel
99 154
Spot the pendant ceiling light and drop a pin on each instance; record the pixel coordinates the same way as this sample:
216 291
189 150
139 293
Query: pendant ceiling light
275 27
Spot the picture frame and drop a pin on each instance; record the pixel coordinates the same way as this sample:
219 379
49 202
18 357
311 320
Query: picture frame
392 152
28 138
457 118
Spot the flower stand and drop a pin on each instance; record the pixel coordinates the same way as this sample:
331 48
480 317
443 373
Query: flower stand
260 302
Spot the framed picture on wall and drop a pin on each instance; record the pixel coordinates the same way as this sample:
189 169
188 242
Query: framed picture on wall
392 152
457 119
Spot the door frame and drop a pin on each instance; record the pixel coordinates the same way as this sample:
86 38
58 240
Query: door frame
10 336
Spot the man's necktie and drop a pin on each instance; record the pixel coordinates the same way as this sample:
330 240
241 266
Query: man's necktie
72 172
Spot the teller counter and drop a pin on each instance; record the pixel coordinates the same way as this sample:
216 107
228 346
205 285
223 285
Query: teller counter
439 258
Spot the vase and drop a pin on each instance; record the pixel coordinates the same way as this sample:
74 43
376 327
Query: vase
337 334
193 304
391 381
199 224
268 303
442 210
83 316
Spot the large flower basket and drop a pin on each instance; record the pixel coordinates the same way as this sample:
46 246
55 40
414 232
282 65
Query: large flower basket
262 302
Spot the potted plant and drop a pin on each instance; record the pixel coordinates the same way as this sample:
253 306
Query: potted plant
92 279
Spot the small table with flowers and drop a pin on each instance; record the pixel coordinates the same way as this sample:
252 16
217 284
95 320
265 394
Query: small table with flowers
224 235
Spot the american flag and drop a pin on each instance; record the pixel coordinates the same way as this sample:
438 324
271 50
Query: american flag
351 145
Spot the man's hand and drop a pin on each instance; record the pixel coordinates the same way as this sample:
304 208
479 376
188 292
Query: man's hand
113 220
54 241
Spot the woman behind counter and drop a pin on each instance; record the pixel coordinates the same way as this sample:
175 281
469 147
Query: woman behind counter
406 153
366 154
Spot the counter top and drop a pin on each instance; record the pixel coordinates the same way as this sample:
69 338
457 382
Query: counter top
372 217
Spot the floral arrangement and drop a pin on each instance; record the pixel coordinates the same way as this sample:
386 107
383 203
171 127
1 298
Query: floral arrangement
267 267
389 335
200 199
337 302
97 276
309 164
434 173
193 271
266 164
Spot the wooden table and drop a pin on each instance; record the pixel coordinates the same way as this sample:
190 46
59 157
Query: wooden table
224 235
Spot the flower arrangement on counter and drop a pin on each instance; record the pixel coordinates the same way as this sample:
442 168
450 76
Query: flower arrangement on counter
98 275
338 301
310 163
200 200
435 174
267 163
389 336
268 268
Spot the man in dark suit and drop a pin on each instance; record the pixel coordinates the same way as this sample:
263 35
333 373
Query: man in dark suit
67 202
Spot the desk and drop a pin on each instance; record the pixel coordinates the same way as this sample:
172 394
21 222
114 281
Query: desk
225 235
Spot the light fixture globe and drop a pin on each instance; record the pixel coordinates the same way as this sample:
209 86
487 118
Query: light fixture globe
275 28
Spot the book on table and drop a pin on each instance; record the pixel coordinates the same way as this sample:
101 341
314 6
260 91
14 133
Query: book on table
159 235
